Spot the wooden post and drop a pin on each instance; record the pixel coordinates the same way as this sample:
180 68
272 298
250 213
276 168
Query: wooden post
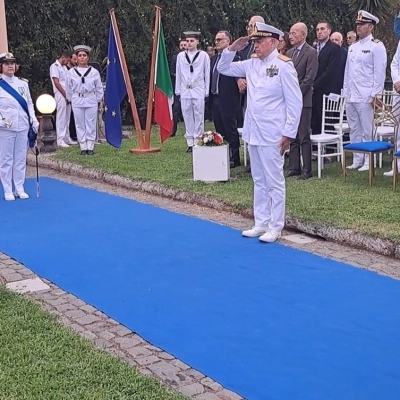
150 98
3 28
127 81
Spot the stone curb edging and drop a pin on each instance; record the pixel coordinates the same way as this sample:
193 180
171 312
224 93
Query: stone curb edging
114 338
348 237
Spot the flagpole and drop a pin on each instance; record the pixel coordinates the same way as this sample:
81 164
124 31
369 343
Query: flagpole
128 84
150 98
3 28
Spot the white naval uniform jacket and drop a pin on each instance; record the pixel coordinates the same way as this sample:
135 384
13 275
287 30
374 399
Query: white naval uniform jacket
61 72
10 108
196 84
87 94
395 66
274 99
365 72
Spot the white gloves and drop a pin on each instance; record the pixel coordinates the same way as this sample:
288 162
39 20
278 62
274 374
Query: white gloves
5 123
35 126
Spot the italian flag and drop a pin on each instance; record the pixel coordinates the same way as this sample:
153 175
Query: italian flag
164 93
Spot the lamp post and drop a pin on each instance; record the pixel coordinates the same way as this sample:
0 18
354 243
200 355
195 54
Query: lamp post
3 28
46 106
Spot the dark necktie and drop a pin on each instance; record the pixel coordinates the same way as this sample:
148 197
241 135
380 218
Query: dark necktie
295 54
214 77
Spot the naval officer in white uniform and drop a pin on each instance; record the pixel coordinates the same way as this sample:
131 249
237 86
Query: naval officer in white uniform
59 76
274 105
14 127
364 78
395 72
192 86
85 92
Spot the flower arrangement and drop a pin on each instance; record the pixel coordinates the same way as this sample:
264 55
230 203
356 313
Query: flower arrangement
211 138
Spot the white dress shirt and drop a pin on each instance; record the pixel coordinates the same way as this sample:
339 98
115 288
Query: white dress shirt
87 94
196 84
12 110
365 72
274 99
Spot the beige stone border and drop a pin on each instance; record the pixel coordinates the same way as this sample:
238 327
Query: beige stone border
346 236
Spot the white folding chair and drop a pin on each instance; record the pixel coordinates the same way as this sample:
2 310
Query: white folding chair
332 130
384 128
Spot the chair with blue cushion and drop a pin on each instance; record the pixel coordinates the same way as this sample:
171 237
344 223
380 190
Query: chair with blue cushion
396 155
370 148
386 111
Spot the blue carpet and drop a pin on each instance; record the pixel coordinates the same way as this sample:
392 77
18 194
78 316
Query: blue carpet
266 321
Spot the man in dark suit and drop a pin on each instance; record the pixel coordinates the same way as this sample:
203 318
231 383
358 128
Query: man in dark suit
225 99
337 38
329 56
305 61
176 107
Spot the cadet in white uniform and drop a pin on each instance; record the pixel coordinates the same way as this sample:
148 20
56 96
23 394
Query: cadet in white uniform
85 92
59 76
395 72
274 105
364 78
14 127
192 85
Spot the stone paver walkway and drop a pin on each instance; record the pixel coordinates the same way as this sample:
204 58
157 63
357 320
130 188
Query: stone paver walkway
116 339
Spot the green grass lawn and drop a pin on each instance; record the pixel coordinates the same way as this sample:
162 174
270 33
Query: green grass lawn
329 200
41 360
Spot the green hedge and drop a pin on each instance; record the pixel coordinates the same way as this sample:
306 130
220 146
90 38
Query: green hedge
39 29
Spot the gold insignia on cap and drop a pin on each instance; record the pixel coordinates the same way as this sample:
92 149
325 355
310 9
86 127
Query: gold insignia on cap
359 16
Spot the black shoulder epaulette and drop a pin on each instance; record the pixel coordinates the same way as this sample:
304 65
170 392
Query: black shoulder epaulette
23 79
376 40
284 58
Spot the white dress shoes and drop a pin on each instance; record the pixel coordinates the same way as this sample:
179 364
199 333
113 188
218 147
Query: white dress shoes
22 195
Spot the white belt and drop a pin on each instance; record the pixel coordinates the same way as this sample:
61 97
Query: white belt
192 86
87 94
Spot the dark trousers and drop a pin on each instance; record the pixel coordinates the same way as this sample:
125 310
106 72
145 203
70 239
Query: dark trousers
316 119
225 121
240 112
207 112
301 143
72 127
176 113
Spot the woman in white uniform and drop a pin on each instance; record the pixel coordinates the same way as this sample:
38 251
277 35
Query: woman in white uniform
85 92
17 114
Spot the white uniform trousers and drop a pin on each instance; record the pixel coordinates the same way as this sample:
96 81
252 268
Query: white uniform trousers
360 117
86 125
13 150
193 116
269 187
63 116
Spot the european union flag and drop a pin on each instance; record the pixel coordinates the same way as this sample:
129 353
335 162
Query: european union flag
115 92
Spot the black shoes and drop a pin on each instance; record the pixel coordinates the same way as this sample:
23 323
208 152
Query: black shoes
87 152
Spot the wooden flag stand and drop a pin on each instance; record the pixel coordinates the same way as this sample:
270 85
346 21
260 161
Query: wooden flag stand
150 99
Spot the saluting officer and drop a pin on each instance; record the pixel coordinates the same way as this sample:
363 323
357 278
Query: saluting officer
192 85
85 92
16 114
364 78
274 106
